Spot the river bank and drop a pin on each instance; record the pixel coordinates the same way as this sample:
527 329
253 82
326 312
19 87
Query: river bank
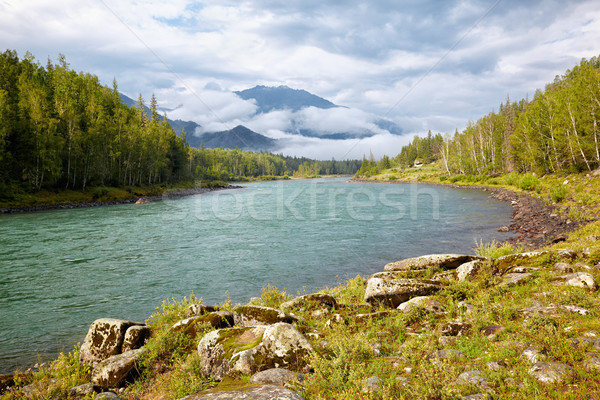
133 198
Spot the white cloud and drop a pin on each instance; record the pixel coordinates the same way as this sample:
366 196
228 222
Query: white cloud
428 65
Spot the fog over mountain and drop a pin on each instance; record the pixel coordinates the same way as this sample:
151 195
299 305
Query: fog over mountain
292 122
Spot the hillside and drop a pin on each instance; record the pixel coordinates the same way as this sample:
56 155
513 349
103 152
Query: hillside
239 137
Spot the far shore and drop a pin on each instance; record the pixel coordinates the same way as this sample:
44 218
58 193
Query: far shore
169 193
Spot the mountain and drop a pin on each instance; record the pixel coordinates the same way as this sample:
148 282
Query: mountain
239 137
282 97
312 122
177 124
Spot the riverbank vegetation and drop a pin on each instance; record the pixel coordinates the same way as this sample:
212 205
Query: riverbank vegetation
555 132
63 132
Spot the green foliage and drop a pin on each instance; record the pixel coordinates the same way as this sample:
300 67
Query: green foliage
555 132
559 193
494 249
528 182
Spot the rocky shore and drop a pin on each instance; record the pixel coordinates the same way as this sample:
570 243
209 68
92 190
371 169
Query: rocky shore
282 350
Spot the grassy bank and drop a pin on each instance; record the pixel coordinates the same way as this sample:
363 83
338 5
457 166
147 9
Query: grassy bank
22 200
575 195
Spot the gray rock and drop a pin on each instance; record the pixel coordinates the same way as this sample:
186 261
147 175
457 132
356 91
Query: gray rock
310 300
512 259
85 389
515 279
372 384
584 342
576 309
447 354
216 319
247 350
477 396
466 307
550 372
493 366
539 310
584 266
469 270
424 302
563 267
200 309
104 339
533 355
320 314
444 261
579 279
39 389
116 369
250 315
591 361
475 378
135 337
455 328
447 340
107 396
393 292
276 376
522 270
264 392
492 330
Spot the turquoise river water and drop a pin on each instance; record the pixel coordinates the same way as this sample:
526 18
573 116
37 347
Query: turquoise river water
60 270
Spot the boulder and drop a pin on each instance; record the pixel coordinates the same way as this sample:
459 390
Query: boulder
135 337
217 319
258 315
39 389
104 339
85 389
579 279
371 384
469 269
247 350
107 396
314 299
591 361
550 372
475 378
200 309
444 261
456 328
447 355
115 370
264 392
563 267
512 259
276 376
424 302
394 292
513 279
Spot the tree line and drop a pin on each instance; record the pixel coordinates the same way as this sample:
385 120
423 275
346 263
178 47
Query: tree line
556 131
60 129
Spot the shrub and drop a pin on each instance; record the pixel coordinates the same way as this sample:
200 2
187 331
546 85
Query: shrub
559 193
494 249
528 182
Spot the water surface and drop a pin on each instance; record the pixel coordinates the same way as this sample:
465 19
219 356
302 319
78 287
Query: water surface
60 270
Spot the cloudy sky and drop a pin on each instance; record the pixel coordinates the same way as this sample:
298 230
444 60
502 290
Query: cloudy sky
423 64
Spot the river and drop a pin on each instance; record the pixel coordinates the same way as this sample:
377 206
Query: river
62 269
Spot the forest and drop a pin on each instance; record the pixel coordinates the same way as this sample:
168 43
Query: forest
60 129
556 131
